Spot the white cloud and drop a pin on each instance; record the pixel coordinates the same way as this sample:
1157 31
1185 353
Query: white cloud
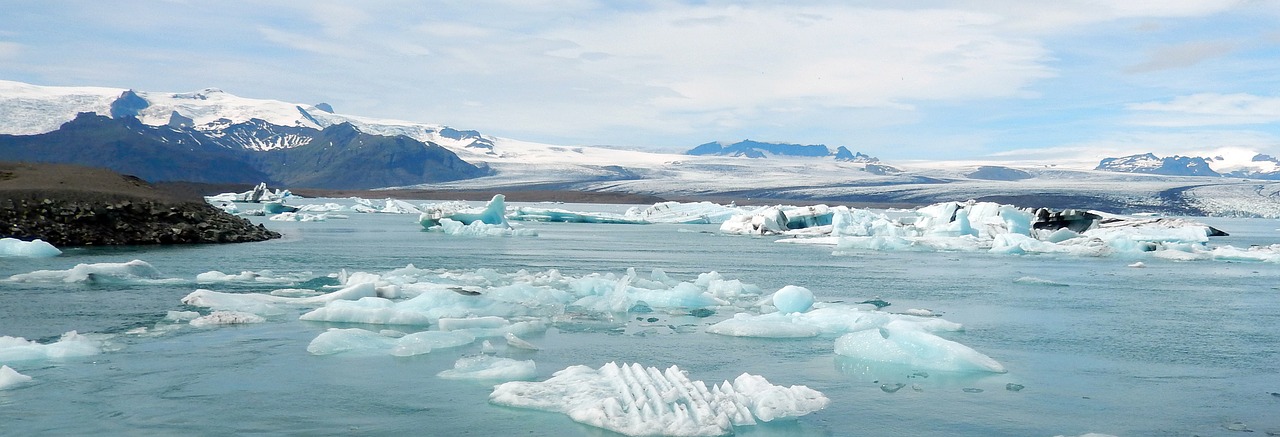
1207 109
9 49
1182 56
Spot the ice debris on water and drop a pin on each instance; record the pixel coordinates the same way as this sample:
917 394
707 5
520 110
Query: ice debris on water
899 342
227 318
635 400
892 388
1013 387
518 343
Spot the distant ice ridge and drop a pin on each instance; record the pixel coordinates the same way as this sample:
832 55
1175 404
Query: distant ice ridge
635 400
13 247
984 226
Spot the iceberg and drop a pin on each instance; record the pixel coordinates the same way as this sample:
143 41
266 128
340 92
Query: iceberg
635 400
292 216
532 214
339 340
265 304
908 345
260 193
489 368
684 213
11 378
136 270
70 345
824 319
37 248
493 213
226 318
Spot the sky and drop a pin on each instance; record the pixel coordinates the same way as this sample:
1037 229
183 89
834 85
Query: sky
942 80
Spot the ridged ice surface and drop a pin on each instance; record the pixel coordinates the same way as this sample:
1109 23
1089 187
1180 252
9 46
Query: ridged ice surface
635 400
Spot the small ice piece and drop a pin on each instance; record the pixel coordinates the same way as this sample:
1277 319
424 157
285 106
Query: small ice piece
227 318
1014 387
181 316
519 343
70 345
635 400
93 273
10 378
338 340
490 368
920 312
487 348
1138 265
1032 280
793 299
37 248
487 322
904 344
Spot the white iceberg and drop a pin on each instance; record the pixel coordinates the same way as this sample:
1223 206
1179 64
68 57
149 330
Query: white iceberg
267 304
217 318
339 340
635 400
70 345
11 378
493 213
908 345
532 214
136 270
684 213
490 368
824 319
37 248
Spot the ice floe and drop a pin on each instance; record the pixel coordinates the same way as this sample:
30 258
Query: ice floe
217 318
635 400
905 344
490 368
37 248
136 270
339 340
70 345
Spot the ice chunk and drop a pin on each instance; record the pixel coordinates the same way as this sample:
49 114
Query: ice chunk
37 248
69 345
770 220
480 229
636 400
487 367
289 216
339 340
265 304
94 273
684 213
793 299
517 342
823 319
1032 280
494 213
227 318
261 276
10 378
375 310
564 216
907 345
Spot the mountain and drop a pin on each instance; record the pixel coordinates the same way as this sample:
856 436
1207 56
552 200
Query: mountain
1151 164
339 156
758 149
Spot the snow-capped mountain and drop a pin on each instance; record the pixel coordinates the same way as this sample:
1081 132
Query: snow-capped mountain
1231 163
212 135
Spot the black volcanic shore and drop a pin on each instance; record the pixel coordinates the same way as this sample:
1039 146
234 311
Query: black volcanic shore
70 206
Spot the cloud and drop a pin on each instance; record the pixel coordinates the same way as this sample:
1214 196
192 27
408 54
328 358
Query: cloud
1182 56
9 49
1208 109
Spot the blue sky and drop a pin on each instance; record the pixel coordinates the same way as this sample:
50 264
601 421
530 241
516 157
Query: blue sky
934 80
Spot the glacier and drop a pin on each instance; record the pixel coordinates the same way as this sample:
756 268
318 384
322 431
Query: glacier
635 400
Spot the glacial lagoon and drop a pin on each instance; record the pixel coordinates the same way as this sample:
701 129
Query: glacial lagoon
1123 345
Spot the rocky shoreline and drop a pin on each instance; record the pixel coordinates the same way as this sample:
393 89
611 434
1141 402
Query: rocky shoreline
77 206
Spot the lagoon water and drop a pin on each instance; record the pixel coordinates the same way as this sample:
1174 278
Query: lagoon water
1175 348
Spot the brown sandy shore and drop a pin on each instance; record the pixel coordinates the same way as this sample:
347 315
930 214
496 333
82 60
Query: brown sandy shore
68 205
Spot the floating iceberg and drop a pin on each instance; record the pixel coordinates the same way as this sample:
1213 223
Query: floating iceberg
259 193
908 345
10 378
635 400
338 340
136 270
266 304
226 318
531 214
825 319
490 368
458 219
291 216
70 345
37 248
684 213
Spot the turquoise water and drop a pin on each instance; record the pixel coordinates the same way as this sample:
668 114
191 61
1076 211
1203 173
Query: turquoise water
1176 348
